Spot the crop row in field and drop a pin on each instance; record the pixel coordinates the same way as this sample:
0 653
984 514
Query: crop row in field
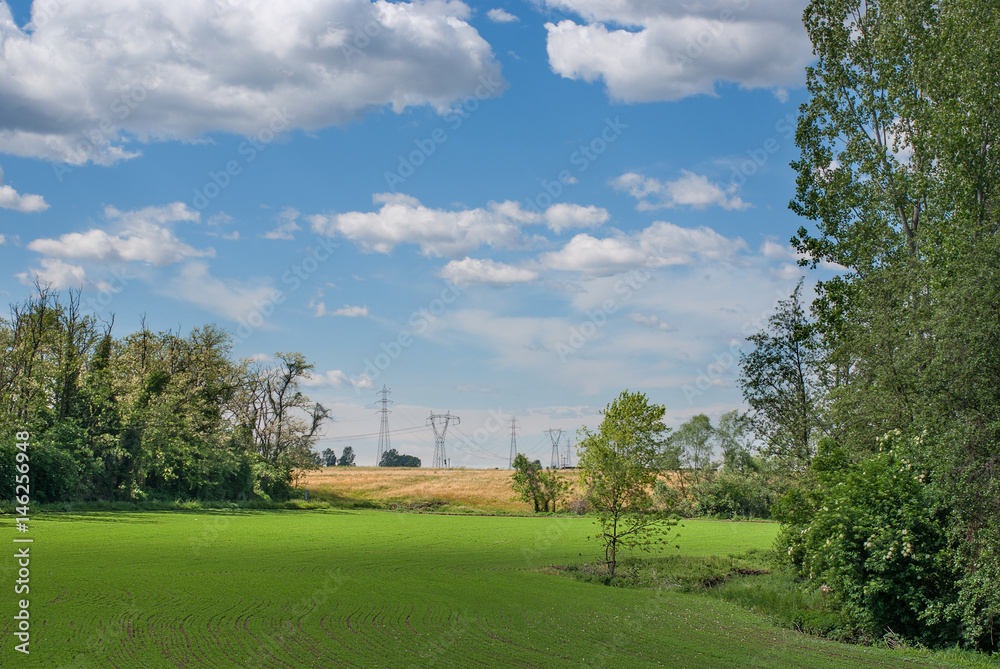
377 589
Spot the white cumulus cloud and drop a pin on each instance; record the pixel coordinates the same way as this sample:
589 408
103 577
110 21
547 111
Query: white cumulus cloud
562 216
659 245
474 271
142 238
402 219
11 199
334 378
89 78
650 321
501 16
775 251
61 275
669 51
690 190
286 226
347 310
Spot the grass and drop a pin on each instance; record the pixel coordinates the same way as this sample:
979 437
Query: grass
376 589
685 572
778 596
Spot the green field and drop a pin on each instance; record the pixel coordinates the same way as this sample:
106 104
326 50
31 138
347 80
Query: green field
376 589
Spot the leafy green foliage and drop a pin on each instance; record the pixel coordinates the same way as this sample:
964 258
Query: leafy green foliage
732 435
151 415
875 534
392 458
783 379
729 493
900 173
542 488
684 572
693 442
619 465
346 457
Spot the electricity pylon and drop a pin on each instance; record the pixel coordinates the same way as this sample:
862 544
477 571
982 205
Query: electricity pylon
554 437
568 451
513 441
439 423
383 430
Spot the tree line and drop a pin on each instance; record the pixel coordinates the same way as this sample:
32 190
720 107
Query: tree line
149 415
885 396
329 458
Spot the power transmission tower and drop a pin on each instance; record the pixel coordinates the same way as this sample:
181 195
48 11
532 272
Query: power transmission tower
439 422
513 441
568 451
383 430
554 437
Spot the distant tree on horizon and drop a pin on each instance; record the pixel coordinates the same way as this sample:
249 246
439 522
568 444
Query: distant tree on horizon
539 487
347 457
392 458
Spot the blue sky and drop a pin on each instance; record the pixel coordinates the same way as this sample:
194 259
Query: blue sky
497 209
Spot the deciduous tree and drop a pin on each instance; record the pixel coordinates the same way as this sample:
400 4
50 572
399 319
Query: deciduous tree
783 379
346 457
900 174
393 458
539 487
619 464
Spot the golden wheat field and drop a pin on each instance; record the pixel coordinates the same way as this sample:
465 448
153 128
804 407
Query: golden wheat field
487 489
483 489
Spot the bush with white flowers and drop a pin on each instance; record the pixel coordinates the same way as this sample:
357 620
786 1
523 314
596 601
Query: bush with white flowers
874 533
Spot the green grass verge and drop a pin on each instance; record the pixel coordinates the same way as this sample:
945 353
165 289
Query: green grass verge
754 582
375 589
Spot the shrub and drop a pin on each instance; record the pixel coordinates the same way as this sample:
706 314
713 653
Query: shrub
732 494
874 532
54 474
273 482
580 505
672 499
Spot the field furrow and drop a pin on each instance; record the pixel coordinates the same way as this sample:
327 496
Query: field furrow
281 590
